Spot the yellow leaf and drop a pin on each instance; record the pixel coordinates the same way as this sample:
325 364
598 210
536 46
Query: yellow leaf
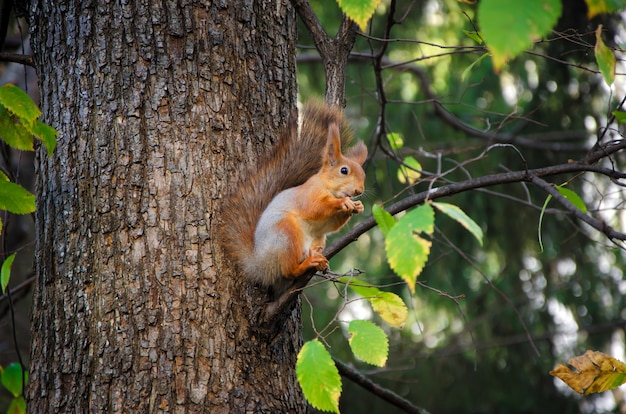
605 58
359 11
391 308
591 372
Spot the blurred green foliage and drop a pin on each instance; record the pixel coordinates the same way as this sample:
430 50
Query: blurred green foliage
467 346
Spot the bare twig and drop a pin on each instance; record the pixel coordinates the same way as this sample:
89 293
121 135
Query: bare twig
480 182
593 157
384 393
545 141
17 58
601 226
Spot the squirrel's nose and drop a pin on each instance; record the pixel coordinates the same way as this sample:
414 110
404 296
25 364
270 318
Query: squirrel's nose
358 192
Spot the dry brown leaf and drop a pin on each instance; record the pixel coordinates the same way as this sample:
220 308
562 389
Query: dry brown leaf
591 372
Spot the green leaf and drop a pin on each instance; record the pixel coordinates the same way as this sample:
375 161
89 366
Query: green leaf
475 36
605 58
389 306
595 7
318 377
407 251
409 171
360 11
12 379
395 140
14 134
468 69
5 272
3 177
510 27
16 199
19 103
455 213
368 342
540 225
17 406
620 116
46 134
384 220
573 198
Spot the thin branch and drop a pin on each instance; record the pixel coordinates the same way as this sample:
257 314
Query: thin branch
17 58
333 51
480 182
601 226
534 141
384 393
25 285
276 307
497 290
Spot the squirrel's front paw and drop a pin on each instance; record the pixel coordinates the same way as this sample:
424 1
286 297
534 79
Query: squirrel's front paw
349 206
358 207
317 259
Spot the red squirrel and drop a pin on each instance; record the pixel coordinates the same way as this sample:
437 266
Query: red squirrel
275 225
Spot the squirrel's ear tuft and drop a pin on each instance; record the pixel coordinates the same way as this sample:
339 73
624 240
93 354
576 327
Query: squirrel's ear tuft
357 153
333 144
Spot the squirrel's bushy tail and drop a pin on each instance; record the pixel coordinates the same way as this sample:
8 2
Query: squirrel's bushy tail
293 160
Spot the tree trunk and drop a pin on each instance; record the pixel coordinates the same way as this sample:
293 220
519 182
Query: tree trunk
157 104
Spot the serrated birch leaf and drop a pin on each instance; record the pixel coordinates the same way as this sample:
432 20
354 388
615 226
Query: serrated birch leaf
407 251
510 27
19 103
368 342
46 134
14 134
16 199
5 273
389 306
573 198
359 11
455 213
384 220
591 372
605 58
318 377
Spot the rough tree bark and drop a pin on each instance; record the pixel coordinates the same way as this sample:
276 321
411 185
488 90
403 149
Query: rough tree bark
160 108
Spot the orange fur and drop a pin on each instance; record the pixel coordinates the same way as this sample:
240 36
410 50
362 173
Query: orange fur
290 231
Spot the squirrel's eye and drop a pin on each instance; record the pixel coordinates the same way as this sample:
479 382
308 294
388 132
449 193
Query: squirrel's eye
344 170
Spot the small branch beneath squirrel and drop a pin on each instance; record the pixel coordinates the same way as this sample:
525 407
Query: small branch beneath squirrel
287 298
